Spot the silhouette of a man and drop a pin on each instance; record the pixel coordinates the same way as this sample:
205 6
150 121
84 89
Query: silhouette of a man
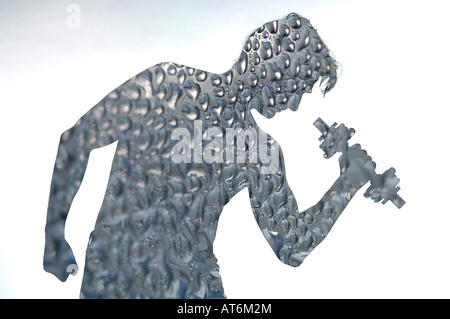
155 230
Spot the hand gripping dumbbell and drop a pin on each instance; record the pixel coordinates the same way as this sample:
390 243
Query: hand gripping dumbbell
358 166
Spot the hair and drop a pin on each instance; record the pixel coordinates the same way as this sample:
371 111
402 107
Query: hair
330 79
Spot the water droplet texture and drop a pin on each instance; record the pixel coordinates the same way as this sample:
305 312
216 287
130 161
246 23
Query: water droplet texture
282 51
155 230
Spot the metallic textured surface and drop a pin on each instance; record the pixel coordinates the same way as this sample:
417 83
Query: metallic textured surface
155 231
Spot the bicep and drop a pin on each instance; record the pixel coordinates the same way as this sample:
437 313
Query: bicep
270 194
275 209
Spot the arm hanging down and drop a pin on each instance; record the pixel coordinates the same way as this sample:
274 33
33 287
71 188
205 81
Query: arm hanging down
293 234
99 127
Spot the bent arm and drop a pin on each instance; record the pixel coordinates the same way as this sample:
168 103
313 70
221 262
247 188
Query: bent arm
97 128
293 234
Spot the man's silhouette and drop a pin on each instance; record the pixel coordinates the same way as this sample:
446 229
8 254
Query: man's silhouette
155 230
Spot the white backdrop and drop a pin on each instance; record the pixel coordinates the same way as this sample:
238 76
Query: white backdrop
392 90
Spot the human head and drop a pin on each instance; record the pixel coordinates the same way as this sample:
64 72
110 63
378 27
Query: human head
280 61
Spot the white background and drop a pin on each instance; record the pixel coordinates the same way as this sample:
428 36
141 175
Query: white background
392 90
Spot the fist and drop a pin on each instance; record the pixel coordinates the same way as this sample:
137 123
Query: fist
59 259
356 166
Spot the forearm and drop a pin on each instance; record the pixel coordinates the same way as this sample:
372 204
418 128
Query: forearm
68 173
318 220
293 234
